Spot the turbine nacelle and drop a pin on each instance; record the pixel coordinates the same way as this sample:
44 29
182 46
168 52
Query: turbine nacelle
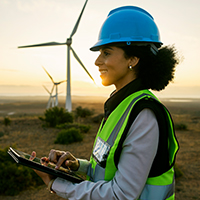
69 41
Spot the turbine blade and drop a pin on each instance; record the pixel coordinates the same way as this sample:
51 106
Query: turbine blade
61 82
43 44
78 59
48 74
46 89
77 23
52 89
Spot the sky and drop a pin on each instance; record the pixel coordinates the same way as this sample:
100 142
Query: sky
26 22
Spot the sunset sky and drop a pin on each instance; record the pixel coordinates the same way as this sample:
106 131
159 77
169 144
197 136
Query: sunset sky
26 22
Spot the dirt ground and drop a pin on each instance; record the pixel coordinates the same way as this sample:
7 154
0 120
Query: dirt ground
27 133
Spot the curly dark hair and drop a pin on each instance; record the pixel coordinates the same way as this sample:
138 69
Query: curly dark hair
155 71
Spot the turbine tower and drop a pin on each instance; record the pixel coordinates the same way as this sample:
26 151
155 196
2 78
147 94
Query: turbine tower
68 104
56 85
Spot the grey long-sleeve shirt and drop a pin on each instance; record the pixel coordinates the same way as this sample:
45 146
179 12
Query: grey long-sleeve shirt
138 152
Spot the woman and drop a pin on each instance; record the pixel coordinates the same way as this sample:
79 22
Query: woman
135 148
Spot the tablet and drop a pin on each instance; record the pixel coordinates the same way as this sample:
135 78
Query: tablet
23 158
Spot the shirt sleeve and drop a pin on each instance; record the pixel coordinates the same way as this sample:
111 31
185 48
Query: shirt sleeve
84 164
138 152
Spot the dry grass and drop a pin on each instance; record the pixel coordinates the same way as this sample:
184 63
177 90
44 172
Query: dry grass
27 134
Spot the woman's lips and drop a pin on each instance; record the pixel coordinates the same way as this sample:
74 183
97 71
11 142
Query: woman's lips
103 71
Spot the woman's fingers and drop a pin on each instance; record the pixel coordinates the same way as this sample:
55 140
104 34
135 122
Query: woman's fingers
68 160
74 165
62 160
65 159
33 155
44 161
54 155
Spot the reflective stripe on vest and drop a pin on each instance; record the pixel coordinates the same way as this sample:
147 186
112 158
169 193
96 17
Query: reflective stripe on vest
159 192
115 126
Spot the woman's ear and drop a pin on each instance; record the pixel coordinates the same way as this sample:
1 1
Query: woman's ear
134 61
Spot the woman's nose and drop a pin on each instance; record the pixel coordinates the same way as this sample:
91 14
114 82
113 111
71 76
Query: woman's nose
98 61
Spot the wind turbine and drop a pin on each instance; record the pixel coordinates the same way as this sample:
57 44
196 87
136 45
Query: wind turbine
68 104
54 84
51 97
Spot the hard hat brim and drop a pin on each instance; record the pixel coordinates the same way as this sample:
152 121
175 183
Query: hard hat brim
100 44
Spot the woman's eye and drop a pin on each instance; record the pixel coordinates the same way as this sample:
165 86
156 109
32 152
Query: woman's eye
106 53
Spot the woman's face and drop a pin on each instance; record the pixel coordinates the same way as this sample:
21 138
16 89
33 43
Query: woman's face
114 67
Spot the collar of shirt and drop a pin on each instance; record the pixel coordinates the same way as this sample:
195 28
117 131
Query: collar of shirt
117 97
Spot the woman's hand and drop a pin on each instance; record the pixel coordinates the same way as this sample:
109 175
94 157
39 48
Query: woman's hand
45 177
66 159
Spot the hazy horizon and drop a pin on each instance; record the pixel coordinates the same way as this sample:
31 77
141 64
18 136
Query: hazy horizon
172 91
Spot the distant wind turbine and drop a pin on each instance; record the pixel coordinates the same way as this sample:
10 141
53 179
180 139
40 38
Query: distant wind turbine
56 85
68 104
51 97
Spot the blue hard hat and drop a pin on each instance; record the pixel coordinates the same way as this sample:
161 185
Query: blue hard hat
128 24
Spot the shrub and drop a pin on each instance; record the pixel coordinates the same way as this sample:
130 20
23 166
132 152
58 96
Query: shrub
56 115
41 118
1 134
6 121
83 112
98 118
83 128
182 127
69 136
67 126
15 177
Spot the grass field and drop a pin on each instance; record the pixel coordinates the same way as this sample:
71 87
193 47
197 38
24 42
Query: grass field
27 134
